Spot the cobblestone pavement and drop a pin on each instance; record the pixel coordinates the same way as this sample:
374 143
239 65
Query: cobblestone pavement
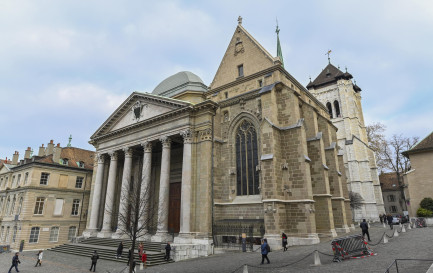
415 243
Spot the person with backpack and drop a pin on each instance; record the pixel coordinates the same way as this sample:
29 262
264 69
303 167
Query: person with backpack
40 255
94 259
284 236
15 262
265 250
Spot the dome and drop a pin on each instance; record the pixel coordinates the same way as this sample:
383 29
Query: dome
178 83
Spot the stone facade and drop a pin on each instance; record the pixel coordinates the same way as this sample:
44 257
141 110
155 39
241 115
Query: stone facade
419 180
343 100
255 148
44 198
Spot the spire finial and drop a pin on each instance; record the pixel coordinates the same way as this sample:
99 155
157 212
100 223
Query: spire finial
354 81
328 53
240 20
345 68
310 77
70 139
279 51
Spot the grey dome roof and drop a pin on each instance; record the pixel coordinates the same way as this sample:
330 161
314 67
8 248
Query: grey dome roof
179 82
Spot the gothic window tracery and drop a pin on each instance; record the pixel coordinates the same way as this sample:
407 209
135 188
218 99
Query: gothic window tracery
337 108
247 177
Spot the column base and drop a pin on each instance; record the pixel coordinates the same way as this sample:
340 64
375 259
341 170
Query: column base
104 234
145 238
90 233
119 235
344 229
327 233
183 238
162 237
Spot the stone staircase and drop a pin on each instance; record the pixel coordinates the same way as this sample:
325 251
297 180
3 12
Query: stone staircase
107 250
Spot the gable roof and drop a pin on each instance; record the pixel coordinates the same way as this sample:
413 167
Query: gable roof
389 181
127 104
328 76
424 145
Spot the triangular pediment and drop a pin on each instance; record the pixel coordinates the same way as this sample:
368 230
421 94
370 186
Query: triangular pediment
243 50
138 107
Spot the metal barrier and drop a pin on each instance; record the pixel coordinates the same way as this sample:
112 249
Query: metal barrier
5 248
350 246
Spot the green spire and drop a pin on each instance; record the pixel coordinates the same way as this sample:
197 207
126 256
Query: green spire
279 51
70 139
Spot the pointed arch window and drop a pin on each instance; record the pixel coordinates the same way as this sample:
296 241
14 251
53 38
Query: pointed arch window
247 177
337 109
329 106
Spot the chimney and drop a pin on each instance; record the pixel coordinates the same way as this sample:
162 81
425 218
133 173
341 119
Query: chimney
50 148
56 154
27 153
15 158
41 150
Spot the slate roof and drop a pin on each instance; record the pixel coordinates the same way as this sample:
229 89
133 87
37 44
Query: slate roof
328 76
424 145
387 180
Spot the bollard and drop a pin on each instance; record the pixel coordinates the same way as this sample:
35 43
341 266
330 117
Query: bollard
245 269
385 239
141 266
384 225
403 229
395 232
409 226
316 258
399 224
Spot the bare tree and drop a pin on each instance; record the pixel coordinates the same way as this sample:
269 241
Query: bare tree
355 200
377 142
137 213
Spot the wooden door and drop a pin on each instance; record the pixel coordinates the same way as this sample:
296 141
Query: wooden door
174 208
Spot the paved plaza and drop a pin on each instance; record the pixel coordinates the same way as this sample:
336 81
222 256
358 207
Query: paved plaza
414 244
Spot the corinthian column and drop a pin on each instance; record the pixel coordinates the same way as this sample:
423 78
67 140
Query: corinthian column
185 207
96 200
109 197
145 186
124 192
164 187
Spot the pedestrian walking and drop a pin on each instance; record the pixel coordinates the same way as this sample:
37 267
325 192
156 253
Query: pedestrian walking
389 218
140 249
15 262
94 259
384 219
40 255
130 254
167 251
265 250
144 258
119 250
364 228
284 237
381 218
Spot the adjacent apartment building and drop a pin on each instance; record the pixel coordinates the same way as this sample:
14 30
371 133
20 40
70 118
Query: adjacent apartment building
44 198
392 198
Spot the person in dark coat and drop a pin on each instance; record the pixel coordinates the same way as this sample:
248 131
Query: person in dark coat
265 250
381 218
167 251
364 228
284 237
94 259
15 262
119 250
389 218
130 253
384 218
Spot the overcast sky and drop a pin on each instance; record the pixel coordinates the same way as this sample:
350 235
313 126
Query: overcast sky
66 65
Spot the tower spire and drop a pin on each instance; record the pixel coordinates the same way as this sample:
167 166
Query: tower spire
279 51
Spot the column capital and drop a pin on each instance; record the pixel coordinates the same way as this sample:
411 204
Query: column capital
113 155
166 141
187 135
101 158
128 152
147 146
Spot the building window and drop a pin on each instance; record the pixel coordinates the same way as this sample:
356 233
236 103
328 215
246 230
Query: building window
19 180
26 177
64 161
13 206
39 206
260 83
226 94
58 207
79 182
44 178
1 182
391 198
329 106
75 207
8 203
34 235
337 109
20 205
6 182
240 70
71 233
393 209
14 234
13 181
1 205
80 164
247 177
1 234
7 234
54 234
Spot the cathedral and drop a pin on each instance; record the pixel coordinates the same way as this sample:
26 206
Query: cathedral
255 153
